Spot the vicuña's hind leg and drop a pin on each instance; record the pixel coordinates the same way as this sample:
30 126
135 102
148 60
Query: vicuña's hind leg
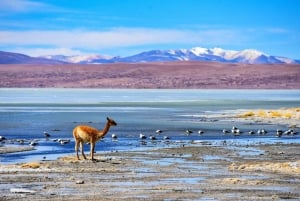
92 151
76 149
82 151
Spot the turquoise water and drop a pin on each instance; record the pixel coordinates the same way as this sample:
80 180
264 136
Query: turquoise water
26 113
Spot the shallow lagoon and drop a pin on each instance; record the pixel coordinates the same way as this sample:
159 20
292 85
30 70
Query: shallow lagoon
27 113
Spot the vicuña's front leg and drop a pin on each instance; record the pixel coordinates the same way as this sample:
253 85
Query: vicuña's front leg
92 151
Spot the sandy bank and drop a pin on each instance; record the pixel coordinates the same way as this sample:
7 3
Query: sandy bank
283 116
12 149
189 171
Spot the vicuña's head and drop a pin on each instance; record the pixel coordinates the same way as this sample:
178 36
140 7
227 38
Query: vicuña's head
111 122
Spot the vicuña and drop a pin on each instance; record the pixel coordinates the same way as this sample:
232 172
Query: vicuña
87 134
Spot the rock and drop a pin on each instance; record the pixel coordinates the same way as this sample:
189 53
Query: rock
80 182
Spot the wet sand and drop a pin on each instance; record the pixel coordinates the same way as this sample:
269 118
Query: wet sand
192 171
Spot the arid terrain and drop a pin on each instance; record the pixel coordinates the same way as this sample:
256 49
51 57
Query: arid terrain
200 75
194 171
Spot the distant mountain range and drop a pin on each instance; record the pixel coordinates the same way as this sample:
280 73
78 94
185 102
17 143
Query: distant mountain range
16 58
248 56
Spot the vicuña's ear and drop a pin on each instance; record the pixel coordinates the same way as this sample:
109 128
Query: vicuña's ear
107 118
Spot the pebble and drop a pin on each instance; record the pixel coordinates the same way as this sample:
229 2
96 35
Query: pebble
80 182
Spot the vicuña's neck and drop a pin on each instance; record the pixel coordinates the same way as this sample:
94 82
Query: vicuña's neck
105 130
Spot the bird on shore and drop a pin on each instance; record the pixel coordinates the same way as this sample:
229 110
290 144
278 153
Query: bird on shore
188 132
279 133
200 132
264 131
158 131
114 136
151 137
46 134
33 143
63 142
225 131
251 132
142 136
261 132
235 131
166 137
290 132
2 138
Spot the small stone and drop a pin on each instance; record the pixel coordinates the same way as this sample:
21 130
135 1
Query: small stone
80 182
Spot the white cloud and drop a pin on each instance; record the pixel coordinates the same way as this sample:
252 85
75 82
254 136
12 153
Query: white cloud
21 5
35 52
277 30
117 37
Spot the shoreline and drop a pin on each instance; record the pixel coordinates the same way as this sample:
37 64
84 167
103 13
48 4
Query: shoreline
264 172
6 149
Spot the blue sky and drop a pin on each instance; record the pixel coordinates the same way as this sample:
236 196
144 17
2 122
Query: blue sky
125 27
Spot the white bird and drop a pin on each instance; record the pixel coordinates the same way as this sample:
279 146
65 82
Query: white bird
234 129
114 136
225 131
166 137
152 137
47 134
259 132
251 132
142 136
33 143
158 131
63 142
279 133
188 132
237 132
263 131
2 138
200 132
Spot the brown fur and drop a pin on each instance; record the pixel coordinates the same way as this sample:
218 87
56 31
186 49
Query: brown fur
87 134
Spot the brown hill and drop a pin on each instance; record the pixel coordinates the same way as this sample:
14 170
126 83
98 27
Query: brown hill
200 75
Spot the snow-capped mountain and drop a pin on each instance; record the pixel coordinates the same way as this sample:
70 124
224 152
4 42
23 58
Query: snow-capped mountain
209 54
16 58
248 56
82 59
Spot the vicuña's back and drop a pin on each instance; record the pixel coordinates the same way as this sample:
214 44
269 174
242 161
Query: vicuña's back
83 134
86 134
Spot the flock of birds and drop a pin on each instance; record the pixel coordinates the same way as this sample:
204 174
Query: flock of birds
35 142
234 131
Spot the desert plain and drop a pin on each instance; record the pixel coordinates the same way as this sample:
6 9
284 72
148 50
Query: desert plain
198 75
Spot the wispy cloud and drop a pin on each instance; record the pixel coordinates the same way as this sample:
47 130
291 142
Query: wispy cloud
22 5
49 51
116 37
277 30
41 42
